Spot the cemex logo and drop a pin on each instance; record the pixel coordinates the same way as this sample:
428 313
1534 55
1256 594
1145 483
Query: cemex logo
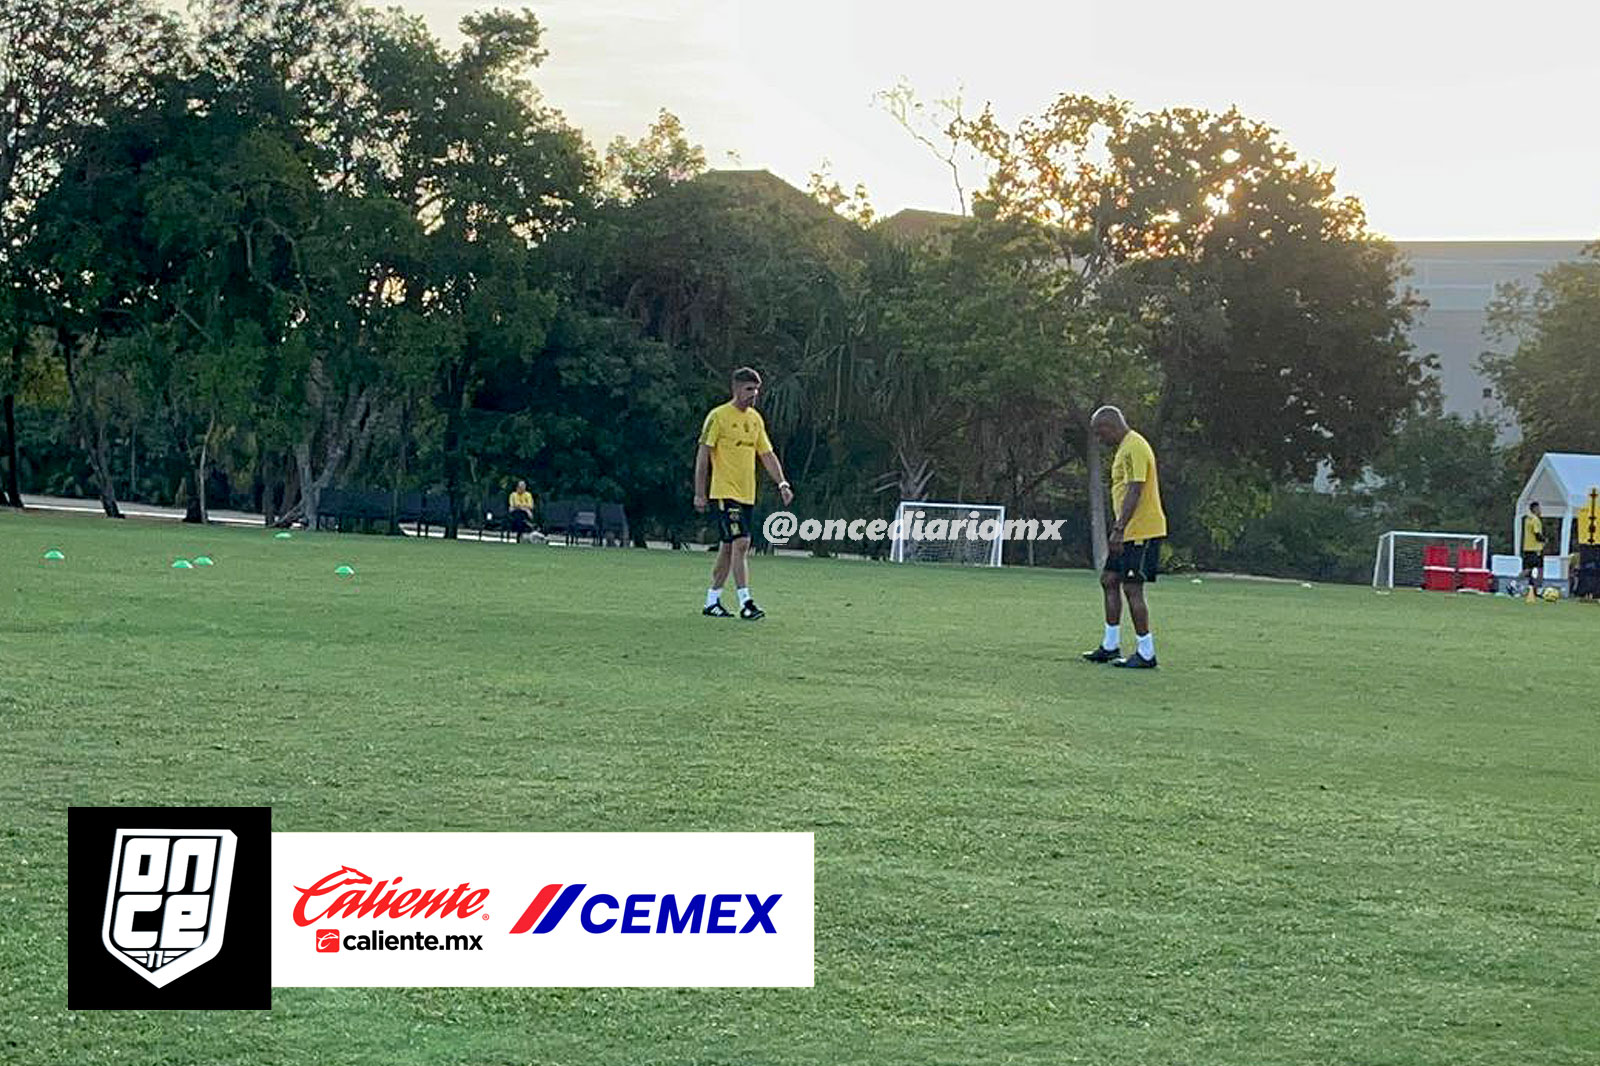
645 912
165 892
363 899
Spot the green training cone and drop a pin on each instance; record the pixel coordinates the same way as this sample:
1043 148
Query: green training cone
53 554
203 560
345 571
281 536
183 564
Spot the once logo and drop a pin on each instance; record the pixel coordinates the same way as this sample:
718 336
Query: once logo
646 912
327 940
361 902
167 903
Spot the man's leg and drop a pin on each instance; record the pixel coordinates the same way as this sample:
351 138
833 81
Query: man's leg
1111 587
1140 610
741 580
1138 607
719 574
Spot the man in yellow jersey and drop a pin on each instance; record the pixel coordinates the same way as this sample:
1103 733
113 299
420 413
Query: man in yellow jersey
1533 548
731 440
519 504
1134 554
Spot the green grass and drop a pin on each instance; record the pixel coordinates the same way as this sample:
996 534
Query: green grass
1333 828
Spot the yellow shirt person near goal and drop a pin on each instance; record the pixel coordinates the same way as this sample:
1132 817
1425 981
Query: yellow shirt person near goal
1533 548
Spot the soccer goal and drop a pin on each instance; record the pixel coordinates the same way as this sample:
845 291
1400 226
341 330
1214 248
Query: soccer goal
1400 555
967 533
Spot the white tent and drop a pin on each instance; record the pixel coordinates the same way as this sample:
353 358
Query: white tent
1560 485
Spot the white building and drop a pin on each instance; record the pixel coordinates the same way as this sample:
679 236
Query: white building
1458 280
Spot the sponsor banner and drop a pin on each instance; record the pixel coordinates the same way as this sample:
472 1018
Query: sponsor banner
166 908
476 910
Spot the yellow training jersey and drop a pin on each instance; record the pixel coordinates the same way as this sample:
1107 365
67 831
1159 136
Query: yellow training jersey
1136 461
521 500
1532 533
735 438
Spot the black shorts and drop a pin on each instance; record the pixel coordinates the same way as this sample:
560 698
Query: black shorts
1139 561
733 519
1533 561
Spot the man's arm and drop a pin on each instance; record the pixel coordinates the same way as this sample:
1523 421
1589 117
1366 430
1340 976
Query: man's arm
702 469
1130 503
775 470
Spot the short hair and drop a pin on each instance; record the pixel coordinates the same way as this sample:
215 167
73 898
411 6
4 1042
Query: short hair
1534 506
1106 411
746 376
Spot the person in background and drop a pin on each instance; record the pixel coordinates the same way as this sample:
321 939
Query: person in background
1586 535
520 511
1533 549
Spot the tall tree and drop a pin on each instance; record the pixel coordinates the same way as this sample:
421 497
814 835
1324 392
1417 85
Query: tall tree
1019 355
64 65
1546 362
1272 310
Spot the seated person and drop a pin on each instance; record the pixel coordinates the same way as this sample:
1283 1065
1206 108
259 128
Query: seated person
520 513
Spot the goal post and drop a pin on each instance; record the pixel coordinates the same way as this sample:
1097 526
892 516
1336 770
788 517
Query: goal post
970 534
1399 562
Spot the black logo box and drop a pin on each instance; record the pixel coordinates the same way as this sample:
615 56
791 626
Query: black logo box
239 978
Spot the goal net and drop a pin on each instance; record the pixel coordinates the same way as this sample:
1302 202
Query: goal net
1400 555
967 533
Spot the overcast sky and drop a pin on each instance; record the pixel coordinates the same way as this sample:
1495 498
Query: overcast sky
1450 120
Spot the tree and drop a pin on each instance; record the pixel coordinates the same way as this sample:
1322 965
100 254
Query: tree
1013 356
1443 471
64 65
1271 310
1547 365
660 159
855 205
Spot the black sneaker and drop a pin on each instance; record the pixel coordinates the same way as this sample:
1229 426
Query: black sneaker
1136 662
750 612
1101 655
716 610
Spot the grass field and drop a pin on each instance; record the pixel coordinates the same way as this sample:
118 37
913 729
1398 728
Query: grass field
1333 828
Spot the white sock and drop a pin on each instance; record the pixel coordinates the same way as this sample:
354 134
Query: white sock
744 597
1147 645
713 597
1113 639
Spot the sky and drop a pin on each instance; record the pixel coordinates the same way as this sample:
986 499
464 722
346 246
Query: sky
1450 120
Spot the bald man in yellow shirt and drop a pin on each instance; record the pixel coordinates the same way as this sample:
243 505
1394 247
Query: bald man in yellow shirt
732 438
1140 526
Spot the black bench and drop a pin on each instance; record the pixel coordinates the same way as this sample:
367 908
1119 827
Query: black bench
364 510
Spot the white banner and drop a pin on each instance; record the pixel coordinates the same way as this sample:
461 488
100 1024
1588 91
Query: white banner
503 910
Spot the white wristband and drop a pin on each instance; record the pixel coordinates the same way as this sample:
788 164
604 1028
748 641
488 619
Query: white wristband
783 484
